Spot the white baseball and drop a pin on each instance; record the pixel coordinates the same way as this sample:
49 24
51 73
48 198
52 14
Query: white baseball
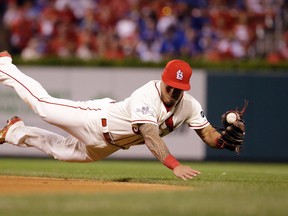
231 117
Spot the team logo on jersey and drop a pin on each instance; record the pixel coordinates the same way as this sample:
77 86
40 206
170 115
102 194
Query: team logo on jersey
144 110
179 75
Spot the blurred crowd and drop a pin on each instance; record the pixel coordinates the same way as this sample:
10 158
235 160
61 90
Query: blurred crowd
146 29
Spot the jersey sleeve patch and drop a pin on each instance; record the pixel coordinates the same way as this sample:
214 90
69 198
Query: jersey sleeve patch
143 107
144 110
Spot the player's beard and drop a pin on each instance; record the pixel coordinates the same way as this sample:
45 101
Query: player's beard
170 95
170 100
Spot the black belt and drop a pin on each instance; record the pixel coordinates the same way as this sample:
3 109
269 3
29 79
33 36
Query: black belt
107 136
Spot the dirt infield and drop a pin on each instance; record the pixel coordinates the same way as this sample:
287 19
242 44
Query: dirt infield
27 185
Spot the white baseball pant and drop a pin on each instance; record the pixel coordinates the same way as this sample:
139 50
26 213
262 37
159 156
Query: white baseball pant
81 119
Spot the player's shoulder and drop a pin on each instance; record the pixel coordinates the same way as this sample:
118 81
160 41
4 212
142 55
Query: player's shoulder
188 97
189 100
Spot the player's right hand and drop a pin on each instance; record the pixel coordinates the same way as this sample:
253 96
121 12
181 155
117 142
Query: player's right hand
185 172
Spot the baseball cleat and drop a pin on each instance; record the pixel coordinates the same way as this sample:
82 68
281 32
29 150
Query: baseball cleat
4 54
3 131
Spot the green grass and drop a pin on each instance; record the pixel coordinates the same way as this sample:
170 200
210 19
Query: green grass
222 189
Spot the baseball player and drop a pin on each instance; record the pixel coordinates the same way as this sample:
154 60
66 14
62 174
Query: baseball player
98 128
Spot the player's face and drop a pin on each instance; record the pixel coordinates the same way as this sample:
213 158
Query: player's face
170 95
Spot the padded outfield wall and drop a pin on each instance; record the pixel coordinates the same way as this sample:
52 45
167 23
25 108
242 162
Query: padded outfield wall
217 92
266 115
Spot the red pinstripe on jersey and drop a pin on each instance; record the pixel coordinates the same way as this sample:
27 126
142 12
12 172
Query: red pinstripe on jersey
148 121
199 126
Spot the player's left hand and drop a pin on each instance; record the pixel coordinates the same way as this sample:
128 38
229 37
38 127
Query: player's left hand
232 137
185 172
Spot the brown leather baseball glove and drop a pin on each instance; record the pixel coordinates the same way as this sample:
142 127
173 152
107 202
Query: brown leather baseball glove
232 136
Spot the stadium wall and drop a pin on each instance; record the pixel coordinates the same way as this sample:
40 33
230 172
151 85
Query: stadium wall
266 115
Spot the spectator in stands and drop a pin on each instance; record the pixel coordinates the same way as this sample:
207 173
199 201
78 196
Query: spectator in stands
69 28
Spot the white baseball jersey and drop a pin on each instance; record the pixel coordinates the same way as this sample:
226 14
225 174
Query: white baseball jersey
91 138
145 106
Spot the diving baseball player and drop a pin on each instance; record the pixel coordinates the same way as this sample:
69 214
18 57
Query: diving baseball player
100 127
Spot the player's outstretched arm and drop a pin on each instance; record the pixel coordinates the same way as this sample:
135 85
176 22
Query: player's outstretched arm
159 149
154 142
209 135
